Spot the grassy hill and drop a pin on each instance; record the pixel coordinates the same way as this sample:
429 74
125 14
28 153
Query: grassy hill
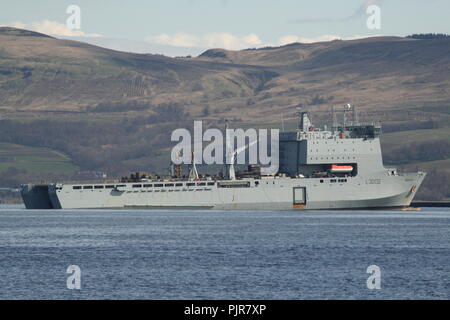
38 160
114 111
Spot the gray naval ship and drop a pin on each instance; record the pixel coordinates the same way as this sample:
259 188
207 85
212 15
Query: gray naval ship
341 168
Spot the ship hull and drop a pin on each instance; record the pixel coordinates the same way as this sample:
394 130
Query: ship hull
265 194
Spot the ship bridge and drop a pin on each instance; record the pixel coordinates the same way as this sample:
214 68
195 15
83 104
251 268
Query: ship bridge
312 152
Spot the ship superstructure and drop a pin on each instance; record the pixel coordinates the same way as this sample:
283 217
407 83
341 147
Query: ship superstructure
341 168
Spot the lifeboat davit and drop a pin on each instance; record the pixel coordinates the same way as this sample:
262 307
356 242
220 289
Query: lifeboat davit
342 169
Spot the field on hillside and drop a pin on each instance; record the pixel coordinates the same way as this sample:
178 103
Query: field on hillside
397 139
34 160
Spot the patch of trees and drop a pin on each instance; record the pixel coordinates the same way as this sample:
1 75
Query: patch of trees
10 197
214 53
13 177
163 111
166 112
391 127
119 107
317 99
206 111
419 152
9 178
100 145
428 36
436 186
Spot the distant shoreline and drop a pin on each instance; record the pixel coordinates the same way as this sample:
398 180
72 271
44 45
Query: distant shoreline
11 201
424 203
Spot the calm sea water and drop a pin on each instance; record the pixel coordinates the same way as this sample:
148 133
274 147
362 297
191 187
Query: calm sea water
193 254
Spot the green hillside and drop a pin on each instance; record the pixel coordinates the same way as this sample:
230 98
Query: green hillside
34 160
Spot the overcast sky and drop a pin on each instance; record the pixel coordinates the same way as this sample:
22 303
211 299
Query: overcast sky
182 27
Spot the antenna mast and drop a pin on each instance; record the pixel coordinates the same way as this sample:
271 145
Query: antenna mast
355 116
347 107
334 118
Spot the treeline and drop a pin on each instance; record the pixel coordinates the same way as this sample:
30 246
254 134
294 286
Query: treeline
317 100
161 109
421 125
418 152
437 182
119 107
165 112
436 186
428 36
100 145
13 177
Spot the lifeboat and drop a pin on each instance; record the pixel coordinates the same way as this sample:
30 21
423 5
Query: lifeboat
341 168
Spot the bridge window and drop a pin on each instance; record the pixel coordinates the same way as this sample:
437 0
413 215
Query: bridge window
87 187
137 185
76 187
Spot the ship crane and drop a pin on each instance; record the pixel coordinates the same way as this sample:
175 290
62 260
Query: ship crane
231 154
193 173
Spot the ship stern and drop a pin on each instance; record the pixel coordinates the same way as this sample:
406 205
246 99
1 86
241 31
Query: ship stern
35 196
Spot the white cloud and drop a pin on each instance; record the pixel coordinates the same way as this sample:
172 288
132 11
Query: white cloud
223 40
232 42
52 28
18 25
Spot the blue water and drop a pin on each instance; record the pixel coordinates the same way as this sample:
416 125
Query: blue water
193 254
